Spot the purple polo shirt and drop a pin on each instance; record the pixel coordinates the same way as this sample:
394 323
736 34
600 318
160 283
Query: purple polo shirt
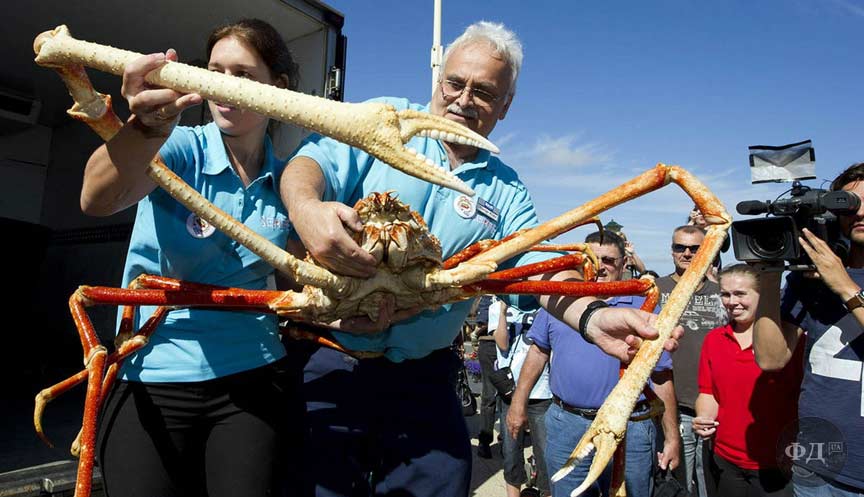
580 373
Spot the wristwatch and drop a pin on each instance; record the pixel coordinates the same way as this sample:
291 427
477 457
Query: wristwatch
856 301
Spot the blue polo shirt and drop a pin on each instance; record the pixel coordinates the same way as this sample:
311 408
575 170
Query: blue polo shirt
502 206
168 240
581 374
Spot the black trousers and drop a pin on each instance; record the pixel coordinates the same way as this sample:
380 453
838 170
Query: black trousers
383 428
725 479
224 437
486 356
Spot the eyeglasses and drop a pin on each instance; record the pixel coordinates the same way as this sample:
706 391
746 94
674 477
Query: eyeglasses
609 260
453 90
679 248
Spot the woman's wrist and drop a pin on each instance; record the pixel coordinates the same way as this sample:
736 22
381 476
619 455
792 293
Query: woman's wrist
151 131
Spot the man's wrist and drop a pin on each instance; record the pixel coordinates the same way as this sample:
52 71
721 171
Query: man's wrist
589 311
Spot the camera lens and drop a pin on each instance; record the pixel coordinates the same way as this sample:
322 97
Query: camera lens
767 239
770 243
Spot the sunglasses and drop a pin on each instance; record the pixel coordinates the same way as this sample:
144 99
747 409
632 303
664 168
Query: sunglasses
679 248
609 261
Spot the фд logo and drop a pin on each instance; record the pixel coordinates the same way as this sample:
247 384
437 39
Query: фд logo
809 447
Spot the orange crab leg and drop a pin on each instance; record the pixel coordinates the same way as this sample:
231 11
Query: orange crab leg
484 245
233 297
96 366
569 261
114 360
568 288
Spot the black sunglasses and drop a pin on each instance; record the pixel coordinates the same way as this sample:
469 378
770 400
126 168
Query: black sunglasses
680 248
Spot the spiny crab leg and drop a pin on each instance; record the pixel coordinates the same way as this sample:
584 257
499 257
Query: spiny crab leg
484 245
374 127
617 487
481 265
610 424
95 110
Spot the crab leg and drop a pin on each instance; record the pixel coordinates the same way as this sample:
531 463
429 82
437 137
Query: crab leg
609 426
557 264
94 109
484 245
568 288
376 128
617 486
483 264
113 361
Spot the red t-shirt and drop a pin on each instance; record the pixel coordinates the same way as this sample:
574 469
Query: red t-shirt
755 405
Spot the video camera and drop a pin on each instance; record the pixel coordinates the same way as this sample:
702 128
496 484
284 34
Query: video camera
775 239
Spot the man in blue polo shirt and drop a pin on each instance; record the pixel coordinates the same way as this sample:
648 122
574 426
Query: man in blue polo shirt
581 377
394 425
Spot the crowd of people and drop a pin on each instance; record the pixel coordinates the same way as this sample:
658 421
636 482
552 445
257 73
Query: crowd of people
217 405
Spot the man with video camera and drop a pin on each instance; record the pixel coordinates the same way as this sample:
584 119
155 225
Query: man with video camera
828 455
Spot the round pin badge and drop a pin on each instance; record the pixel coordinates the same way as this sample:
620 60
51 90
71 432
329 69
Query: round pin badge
465 206
198 227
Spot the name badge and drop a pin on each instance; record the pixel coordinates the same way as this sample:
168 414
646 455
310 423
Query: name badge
487 210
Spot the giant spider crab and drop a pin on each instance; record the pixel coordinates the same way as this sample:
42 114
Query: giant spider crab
410 270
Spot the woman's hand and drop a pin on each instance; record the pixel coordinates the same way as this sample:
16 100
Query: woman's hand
705 427
156 110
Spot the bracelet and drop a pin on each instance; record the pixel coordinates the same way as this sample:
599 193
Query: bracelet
586 315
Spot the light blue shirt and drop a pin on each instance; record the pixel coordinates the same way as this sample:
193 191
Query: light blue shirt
168 240
502 206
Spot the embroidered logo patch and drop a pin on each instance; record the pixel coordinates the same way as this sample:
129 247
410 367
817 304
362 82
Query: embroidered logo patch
198 227
464 206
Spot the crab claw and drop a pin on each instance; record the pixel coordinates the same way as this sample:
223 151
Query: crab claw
601 439
374 127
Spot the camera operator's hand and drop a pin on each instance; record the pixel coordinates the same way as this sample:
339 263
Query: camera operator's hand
829 267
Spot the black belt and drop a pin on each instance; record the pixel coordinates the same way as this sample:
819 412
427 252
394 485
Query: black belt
687 410
639 415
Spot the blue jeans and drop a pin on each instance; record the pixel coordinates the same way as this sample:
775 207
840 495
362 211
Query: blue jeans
808 484
564 429
513 449
692 446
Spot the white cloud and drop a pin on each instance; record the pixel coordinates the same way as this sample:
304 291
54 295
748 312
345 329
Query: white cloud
850 7
563 173
563 151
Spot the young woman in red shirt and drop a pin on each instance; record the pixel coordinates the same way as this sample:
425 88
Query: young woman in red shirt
746 411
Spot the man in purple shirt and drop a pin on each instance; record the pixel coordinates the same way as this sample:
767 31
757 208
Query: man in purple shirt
581 377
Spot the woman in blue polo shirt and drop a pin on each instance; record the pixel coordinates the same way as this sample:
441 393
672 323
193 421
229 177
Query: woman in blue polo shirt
201 409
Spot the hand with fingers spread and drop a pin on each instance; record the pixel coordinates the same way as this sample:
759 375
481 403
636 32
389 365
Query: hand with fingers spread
156 110
619 332
829 267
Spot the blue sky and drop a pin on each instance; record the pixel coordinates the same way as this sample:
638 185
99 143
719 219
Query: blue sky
609 89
